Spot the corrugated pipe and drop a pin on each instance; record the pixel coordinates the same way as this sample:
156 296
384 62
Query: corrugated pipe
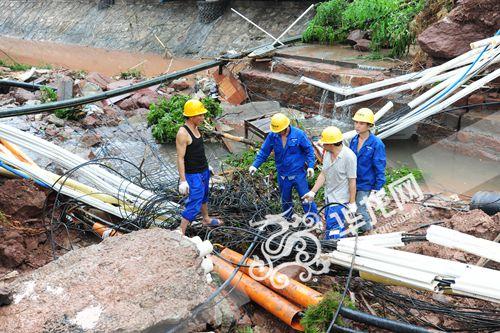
265 297
302 295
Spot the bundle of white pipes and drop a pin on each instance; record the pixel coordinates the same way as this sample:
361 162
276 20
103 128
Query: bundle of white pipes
107 191
451 76
419 271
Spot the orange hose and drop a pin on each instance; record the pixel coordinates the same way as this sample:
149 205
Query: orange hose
14 149
265 297
104 231
295 291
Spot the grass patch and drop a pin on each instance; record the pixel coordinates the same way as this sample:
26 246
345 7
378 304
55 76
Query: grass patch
134 73
15 66
317 318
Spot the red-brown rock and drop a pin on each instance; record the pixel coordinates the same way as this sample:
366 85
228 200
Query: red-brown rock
100 79
468 22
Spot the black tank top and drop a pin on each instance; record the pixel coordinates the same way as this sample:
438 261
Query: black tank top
195 160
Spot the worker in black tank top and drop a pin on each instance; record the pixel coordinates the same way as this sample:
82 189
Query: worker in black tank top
193 167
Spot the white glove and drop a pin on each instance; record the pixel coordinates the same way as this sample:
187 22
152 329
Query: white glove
352 208
310 172
252 170
309 196
184 188
211 169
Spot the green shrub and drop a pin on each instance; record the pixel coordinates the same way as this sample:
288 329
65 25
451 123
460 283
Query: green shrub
317 317
134 73
245 159
166 116
388 20
48 94
393 174
68 113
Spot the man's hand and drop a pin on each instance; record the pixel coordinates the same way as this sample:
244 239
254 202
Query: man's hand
184 188
252 170
352 208
309 196
310 172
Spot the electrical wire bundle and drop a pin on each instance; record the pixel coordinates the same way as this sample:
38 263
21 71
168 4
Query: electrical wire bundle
415 311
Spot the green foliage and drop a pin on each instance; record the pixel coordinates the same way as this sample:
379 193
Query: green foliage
317 317
48 94
213 107
393 174
157 111
134 73
15 66
166 115
388 20
245 160
67 113
244 329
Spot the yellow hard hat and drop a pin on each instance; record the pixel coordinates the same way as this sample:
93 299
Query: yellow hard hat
364 115
194 107
279 122
331 134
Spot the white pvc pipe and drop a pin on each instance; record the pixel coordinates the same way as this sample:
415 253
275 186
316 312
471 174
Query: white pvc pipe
294 22
458 240
322 85
99 176
383 111
485 56
457 96
255 25
390 91
453 63
495 40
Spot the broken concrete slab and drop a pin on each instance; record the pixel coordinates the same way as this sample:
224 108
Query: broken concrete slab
148 280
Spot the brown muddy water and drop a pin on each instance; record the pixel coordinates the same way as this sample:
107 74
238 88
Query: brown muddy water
77 57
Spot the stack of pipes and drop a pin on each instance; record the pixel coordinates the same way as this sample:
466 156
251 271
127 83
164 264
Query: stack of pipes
107 191
376 259
451 76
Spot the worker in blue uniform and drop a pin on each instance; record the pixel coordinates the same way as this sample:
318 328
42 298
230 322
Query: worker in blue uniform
293 154
371 162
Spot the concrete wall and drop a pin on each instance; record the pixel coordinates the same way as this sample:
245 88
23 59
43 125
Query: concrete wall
133 25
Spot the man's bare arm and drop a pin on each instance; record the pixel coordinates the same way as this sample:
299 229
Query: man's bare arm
352 190
181 142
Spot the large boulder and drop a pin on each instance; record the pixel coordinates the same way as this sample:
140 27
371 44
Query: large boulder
145 281
469 21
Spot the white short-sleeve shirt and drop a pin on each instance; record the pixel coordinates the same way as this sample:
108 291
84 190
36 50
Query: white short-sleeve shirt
337 172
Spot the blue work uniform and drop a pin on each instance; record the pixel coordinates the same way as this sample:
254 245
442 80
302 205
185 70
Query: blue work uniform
290 161
197 177
370 172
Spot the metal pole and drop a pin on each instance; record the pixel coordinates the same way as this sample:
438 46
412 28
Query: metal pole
295 22
276 40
